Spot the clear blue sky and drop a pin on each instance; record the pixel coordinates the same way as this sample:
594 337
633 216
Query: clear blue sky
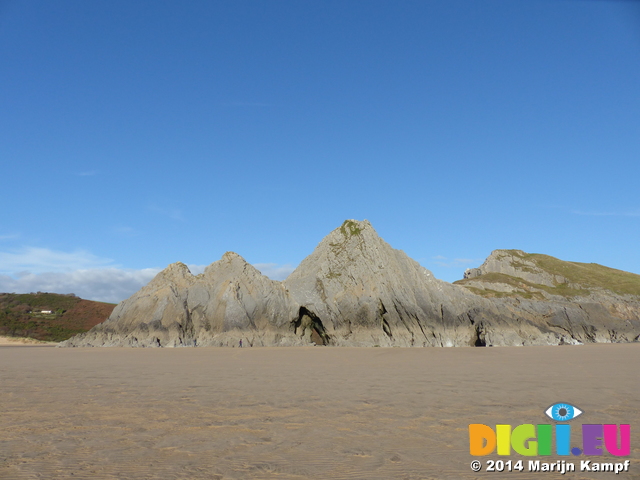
137 134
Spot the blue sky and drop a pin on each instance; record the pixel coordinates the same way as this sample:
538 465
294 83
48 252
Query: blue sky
137 134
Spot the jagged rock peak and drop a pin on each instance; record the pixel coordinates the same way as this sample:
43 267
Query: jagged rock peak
177 267
353 253
355 289
174 272
351 227
353 244
231 262
356 283
230 256
355 229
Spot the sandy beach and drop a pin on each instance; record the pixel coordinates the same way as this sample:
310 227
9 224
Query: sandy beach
295 413
18 341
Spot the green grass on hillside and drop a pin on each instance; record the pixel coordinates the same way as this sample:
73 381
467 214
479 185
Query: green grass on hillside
529 287
43 301
20 315
587 275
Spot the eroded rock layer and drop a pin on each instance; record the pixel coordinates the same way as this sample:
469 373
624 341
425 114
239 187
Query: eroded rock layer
356 290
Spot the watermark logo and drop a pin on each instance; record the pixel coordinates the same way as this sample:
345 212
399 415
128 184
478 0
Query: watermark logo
562 412
540 439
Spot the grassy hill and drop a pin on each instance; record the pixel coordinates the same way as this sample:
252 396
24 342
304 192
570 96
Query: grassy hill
24 315
580 278
589 274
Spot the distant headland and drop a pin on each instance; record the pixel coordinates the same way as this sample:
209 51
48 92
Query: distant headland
356 290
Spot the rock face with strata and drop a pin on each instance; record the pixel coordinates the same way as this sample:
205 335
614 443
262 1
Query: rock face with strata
515 264
356 290
230 301
367 293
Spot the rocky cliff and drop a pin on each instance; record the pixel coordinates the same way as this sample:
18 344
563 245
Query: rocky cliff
356 290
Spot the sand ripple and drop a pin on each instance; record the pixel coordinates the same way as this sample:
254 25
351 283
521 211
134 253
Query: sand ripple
290 413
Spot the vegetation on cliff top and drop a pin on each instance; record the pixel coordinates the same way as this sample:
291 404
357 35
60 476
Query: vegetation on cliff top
523 288
27 315
349 228
582 278
589 274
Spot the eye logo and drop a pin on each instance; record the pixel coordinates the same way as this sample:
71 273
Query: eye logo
562 412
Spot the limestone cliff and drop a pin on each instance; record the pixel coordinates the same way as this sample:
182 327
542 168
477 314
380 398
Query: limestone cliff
367 293
230 301
589 302
356 290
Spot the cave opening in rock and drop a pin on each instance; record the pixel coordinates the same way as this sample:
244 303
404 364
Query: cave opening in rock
308 323
480 339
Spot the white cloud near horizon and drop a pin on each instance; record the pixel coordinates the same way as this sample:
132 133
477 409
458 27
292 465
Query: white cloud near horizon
37 259
102 284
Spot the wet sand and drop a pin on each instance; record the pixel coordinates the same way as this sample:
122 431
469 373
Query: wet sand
295 413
